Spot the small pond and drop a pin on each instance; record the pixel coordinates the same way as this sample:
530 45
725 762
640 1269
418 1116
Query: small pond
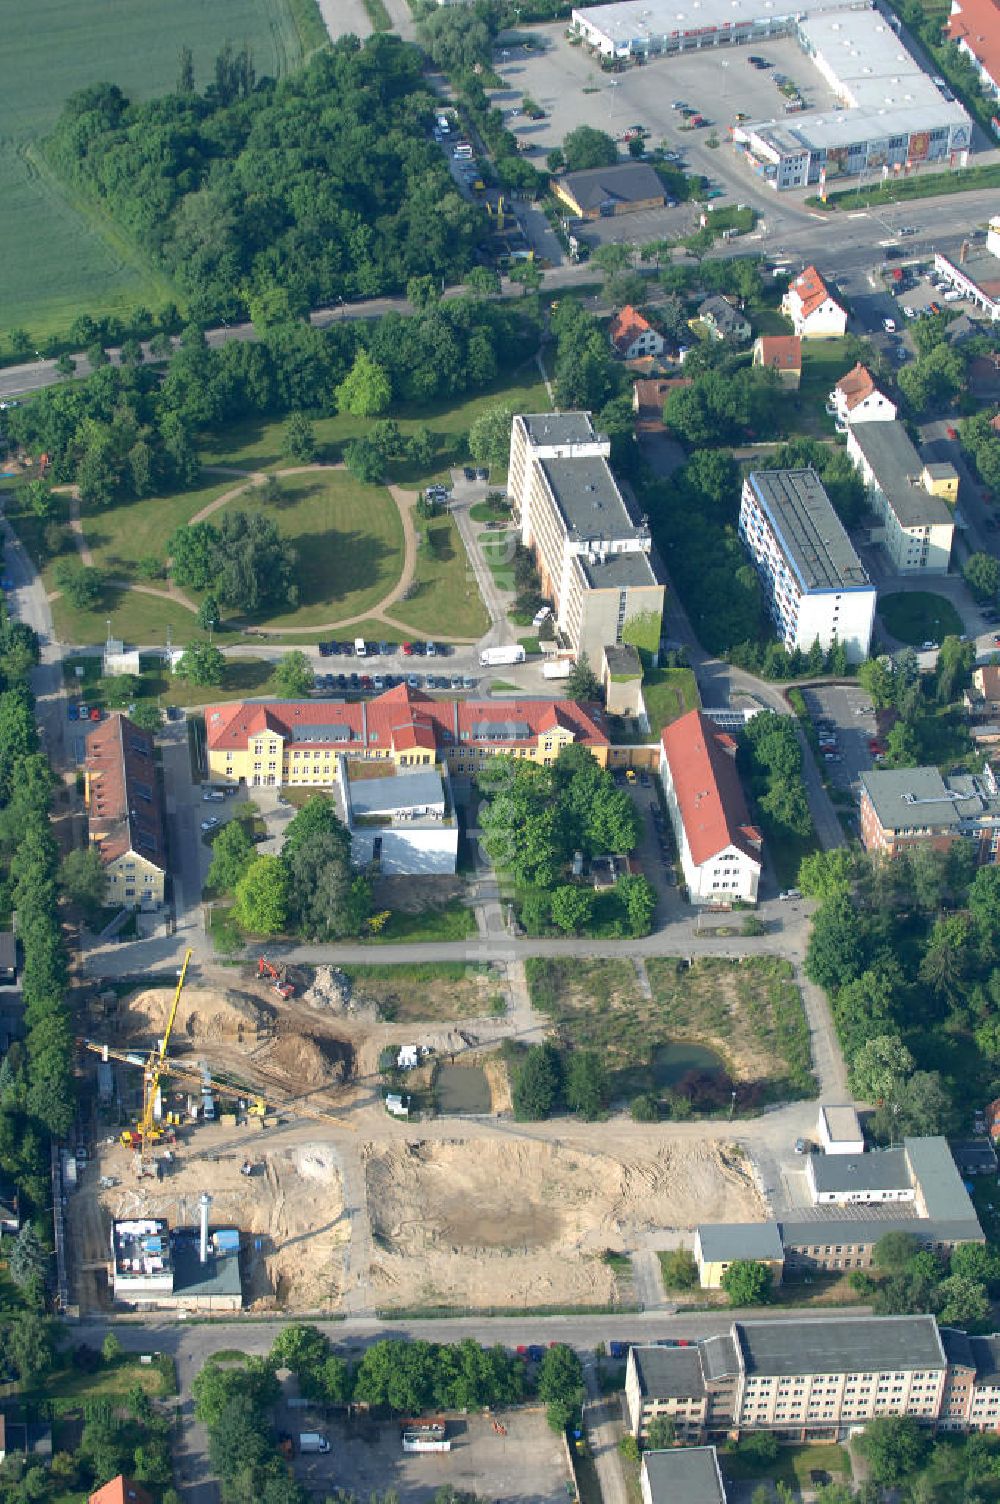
462 1089
668 1064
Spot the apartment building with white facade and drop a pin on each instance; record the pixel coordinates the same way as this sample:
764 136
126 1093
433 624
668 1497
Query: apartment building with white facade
856 399
593 555
815 584
909 497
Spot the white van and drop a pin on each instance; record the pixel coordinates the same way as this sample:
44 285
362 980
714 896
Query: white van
443 124
463 152
360 648
953 295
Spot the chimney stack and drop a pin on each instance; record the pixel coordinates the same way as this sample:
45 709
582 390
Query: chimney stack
204 1203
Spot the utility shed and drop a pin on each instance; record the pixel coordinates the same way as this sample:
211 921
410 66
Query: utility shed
838 1130
686 1475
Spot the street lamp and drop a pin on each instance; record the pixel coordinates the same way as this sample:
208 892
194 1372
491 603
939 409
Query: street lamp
732 1104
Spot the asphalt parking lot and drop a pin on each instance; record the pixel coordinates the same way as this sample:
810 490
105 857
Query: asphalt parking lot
571 88
526 1463
853 717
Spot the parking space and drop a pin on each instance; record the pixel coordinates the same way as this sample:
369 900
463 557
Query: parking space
847 725
520 1459
572 89
656 852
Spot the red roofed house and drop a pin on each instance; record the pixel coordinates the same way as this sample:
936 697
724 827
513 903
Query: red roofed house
297 742
975 26
814 312
856 399
632 336
121 1490
781 353
125 812
721 851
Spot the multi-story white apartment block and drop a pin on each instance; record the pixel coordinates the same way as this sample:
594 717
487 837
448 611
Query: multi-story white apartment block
593 556
815 584
912 500
797 1380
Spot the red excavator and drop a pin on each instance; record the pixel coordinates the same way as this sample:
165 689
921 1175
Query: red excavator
277 976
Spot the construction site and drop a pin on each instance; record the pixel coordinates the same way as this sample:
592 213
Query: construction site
246 1156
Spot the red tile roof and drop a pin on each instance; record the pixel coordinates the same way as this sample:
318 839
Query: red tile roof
856 386
708 789
401 718
626 326
125 811
977 24
781 352
121 1490
811 289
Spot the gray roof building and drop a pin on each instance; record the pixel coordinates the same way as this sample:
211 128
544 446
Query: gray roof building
724 318
986 1355
559 428
841 1344
973 1156
722 1242
422 789
626 183
897 468
618 570
811 534
683 1475
942 1194
883 1170
910 798
589 500
669 1372
828 1226
719 1358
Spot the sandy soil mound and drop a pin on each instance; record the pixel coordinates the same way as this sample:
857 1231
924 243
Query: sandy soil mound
203 1015
308 1060
498 1223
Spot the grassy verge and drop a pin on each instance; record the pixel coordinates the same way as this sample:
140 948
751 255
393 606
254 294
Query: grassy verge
919 616
378 15
927 185
792 1466
669 693
750 1011
444 596
447 921
427 989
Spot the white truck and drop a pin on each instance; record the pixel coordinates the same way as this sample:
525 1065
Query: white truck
494 657
313 1441
421 1441
557 668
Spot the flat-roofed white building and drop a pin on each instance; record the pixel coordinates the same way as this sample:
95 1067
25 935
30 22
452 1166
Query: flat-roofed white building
909 497
593 555
816 586
838 1129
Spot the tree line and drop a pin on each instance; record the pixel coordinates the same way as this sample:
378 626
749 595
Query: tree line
908 952
130 430
267 197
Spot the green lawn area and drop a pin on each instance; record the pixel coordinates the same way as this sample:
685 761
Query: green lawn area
120 536
444 597
770 321
824 361
498 551
668 693
792 1466
61 258
448 921
916 616
256 443
142 620
349 539
785 850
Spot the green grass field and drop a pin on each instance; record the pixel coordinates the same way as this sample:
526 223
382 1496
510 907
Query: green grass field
60 258
445 598
120 536
916 616
669 693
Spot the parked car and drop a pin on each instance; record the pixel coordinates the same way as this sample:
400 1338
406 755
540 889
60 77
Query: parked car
210 823
73 711
407 649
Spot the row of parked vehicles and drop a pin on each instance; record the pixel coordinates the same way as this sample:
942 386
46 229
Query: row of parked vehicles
361 649
361 683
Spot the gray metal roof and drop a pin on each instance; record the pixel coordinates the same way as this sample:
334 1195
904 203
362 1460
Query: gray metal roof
864 1231
588 498
811 534
618 570
722 313
669 1372
933 1166
897 468
219 1275
626 20
721 1242
986 1353
719 1358
911 798
841 1344
373 796
976 1155
628 182
957 1347
333 731
883 1170
500 731
559 428
684 1475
